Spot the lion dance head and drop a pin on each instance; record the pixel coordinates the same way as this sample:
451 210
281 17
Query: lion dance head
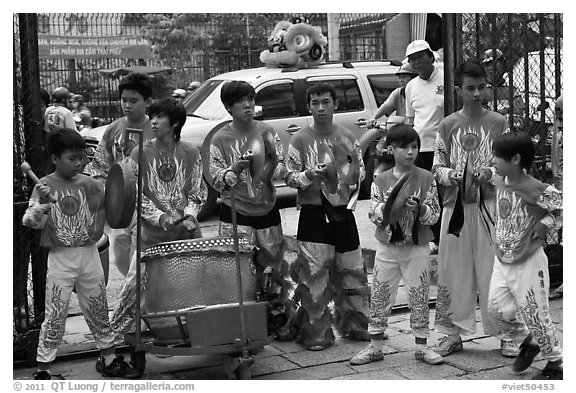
294 44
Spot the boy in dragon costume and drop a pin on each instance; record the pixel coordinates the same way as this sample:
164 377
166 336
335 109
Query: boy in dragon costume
324 164
69 209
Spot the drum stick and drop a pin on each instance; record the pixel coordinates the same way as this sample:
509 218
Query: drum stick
27 170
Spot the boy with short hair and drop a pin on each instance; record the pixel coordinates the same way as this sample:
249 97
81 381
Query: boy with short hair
329 265
71 226
173 189
526 210
402 251
463 164
257 215
135 91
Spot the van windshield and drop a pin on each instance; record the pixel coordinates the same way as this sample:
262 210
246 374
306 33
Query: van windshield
205 101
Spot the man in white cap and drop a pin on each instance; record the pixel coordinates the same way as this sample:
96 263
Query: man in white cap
425 108
424 99
498 91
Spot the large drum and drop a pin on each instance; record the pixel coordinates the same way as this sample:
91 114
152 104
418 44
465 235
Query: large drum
197 272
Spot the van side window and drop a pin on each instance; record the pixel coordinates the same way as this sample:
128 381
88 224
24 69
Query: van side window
277 101
347 93
382 86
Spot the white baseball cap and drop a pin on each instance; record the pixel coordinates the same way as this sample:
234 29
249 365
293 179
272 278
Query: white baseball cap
417 46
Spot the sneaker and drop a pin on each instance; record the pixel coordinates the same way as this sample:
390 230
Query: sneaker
367 355
42 375
509 349
100 364
552 371
447 345
119 368
528 351
429 356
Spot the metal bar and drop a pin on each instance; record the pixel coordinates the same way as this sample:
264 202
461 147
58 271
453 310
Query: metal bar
526 66
138 231
449 62
238 267
511 108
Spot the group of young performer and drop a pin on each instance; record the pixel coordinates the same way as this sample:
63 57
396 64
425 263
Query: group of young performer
492 229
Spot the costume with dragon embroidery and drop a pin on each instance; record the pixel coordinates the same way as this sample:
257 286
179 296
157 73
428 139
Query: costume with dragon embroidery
329 265
71 227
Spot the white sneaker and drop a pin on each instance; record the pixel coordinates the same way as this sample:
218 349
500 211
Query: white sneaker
429 356
509 349
367 355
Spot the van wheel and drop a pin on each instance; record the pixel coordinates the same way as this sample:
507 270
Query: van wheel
207 208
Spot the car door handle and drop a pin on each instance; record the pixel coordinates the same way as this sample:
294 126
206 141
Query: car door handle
292 128
360 122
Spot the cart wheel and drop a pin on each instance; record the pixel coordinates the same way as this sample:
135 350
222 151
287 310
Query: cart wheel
138 360
243 372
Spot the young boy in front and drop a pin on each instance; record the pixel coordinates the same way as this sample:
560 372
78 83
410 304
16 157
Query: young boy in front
71 225
329 265
135 91
403 250
463 164
173 189
257 215
526 210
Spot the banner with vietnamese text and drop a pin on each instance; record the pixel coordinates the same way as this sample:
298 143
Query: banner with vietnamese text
93 47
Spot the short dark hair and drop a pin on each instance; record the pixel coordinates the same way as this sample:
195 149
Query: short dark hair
233 91
62 139
470 68
319 89
136 81
45 97
175 112
509 144
401 135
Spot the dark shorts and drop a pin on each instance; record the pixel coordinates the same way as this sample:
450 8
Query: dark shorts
257 222
314 227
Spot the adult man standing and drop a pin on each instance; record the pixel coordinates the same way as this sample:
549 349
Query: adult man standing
424 99
425 109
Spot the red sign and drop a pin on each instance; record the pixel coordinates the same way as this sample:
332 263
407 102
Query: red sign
94 47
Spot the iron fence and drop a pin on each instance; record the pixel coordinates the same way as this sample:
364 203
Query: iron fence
531 48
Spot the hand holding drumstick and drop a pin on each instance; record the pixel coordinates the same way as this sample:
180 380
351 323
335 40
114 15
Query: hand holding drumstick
43 188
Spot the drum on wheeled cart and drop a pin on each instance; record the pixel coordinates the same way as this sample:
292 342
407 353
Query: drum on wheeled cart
195 292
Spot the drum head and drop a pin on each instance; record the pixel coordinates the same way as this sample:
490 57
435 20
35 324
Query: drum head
120 195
